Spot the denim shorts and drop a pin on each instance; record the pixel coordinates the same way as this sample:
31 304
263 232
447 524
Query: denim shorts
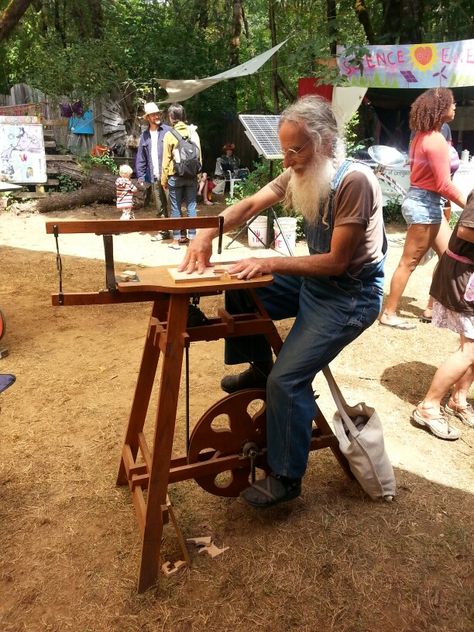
422 207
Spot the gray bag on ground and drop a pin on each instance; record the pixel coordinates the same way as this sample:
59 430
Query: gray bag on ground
362 444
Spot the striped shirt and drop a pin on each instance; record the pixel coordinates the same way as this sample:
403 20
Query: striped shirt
124 190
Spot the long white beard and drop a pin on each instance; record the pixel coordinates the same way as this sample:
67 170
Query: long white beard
308 192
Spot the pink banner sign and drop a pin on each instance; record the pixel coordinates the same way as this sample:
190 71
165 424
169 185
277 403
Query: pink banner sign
449 64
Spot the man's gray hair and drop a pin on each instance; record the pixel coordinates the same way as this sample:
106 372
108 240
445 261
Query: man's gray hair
316 117
176 112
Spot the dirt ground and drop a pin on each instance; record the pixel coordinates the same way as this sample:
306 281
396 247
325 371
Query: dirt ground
333 560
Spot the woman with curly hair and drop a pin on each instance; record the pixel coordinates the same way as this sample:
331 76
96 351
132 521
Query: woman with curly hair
430 183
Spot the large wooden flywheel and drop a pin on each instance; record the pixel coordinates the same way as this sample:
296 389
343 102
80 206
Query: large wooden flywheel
235 425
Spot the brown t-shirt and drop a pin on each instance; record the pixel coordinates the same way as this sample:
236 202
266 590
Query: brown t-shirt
358 200
450 277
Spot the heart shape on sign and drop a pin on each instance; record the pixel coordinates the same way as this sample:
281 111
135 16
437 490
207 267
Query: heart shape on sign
423 55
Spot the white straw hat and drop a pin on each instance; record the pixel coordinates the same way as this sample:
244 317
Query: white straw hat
151 108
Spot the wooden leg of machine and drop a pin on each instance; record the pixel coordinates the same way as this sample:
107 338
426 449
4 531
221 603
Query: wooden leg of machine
143 389
163 440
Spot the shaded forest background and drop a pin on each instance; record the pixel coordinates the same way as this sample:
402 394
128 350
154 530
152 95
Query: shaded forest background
86 49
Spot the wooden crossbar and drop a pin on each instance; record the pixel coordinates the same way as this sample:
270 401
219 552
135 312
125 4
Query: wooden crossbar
113 226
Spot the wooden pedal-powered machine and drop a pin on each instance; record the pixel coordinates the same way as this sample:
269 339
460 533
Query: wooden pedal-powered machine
236 450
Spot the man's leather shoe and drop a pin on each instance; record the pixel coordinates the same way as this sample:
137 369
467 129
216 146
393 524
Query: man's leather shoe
254 377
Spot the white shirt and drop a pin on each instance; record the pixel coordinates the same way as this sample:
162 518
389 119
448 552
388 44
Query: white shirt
154 153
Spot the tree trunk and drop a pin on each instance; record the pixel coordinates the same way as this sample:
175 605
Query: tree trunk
11 16
97 185
274 82
96 176
63 201
331 15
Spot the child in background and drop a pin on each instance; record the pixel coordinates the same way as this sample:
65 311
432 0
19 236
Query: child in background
124 191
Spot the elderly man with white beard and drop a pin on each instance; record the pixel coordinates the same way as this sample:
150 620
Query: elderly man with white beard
335 292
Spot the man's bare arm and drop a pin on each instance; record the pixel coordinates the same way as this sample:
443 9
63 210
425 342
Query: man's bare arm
344 241
199 250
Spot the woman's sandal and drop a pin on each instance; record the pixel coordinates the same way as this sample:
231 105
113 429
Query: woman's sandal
271 490
438 426
403 325
425 319
464 413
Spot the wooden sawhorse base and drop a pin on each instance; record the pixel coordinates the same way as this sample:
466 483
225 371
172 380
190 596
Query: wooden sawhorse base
148 471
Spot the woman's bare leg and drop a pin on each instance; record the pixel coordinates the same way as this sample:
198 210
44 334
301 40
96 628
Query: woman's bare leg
457 371
202 184
440 244
418 240
205 194
461 388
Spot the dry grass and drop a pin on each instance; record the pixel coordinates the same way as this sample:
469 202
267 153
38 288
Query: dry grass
332 561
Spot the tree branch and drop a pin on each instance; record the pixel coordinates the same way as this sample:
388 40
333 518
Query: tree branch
11 16
364 18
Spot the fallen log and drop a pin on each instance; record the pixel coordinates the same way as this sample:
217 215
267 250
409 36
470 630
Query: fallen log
97 185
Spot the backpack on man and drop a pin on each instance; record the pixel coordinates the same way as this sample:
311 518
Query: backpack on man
186 157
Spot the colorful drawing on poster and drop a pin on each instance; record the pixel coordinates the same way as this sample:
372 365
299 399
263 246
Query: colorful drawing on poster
22 154
447 64
441 75
409 77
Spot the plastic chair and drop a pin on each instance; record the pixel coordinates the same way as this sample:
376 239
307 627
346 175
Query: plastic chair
230 176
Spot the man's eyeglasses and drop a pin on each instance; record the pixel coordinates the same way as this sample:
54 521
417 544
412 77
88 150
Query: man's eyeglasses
294 152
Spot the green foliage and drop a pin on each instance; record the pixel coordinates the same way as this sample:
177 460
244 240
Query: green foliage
104 162
67 184
351 139
454 218
392 212
86 49
263 172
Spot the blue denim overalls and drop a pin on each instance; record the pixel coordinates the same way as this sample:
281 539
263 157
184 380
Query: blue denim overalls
330 313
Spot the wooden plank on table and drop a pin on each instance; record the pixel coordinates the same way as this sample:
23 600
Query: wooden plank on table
218 271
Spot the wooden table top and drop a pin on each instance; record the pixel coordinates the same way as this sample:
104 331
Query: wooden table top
160 280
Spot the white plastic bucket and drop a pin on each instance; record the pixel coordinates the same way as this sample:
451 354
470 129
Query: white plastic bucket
257 232
288 230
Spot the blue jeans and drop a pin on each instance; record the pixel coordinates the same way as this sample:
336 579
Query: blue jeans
330 313
182 189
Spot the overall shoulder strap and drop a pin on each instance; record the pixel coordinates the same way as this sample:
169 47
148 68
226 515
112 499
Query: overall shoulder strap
335 182
339 175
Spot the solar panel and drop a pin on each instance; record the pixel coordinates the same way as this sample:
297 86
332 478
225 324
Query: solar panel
262 131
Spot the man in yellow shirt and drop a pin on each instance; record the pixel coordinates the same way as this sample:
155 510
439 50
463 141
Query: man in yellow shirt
180 188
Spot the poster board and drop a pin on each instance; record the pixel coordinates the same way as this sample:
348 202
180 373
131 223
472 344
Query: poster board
22 154
432 65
